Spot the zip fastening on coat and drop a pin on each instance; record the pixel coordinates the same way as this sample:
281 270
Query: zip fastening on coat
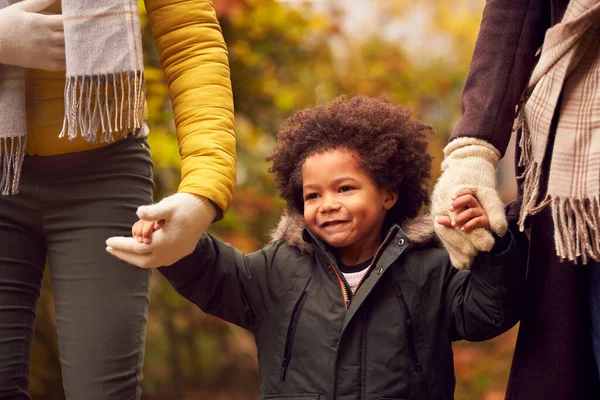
381 246
345 290
287 351
410 335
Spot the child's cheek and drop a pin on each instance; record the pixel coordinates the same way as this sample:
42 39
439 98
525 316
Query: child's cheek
310 217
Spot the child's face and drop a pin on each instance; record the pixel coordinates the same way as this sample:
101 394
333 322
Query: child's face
342 205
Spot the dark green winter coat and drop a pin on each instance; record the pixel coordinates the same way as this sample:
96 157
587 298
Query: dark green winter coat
394 339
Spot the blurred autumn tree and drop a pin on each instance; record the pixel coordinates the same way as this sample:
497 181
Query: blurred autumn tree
283 59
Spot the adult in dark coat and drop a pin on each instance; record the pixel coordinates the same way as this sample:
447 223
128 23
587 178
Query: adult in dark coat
553 357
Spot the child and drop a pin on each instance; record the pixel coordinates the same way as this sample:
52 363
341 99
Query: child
352 301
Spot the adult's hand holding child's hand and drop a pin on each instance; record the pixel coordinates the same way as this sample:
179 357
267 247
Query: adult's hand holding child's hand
469 213
183 219
468 164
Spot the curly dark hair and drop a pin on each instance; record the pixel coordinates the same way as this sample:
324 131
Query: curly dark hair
391 144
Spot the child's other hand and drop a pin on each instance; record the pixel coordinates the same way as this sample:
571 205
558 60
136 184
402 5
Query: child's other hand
469 213
142 230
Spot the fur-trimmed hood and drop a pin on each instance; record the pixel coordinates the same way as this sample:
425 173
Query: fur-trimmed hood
419 231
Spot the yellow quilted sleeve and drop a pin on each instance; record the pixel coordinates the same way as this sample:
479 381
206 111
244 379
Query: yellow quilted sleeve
193 55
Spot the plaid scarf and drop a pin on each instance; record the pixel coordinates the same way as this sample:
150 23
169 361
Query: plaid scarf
105 86
569 65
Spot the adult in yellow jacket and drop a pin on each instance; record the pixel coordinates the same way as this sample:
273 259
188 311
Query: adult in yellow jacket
69 196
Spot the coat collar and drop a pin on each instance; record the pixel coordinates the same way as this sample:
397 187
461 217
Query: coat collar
415 233
293 230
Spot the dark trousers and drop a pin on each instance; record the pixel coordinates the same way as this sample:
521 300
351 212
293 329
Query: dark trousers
553 357
67 206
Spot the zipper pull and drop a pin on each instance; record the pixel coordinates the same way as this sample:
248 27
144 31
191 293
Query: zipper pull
347 304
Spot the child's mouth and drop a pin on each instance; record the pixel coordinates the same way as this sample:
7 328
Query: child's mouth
330 224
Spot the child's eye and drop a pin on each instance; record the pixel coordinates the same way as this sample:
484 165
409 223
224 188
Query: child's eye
345 188
310 196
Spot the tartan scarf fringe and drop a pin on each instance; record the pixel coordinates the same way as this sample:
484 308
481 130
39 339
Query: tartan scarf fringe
104 93
568 52
576 220
106 114
576 228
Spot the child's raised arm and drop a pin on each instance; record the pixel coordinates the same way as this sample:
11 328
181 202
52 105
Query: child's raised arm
486 300
225 282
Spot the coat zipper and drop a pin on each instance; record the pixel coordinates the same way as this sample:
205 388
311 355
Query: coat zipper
287 351
410 336
346 292
372 264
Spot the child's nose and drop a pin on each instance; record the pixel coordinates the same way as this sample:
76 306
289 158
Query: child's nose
329 204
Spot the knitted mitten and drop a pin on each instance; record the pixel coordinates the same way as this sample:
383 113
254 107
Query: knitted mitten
186 217
469 163
32 40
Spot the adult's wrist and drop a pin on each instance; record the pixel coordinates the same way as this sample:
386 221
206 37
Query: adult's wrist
205 207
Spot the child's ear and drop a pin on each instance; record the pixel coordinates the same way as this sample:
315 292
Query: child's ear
390 199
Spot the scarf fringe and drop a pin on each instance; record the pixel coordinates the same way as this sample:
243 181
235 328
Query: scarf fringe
525 142
109 91
576 229
531 193
12 153
576 221
531 177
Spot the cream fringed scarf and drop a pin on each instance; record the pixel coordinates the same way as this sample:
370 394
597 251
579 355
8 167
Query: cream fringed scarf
105 83
569 64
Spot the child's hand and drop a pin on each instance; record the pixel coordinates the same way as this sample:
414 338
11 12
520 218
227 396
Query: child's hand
142 230
469 213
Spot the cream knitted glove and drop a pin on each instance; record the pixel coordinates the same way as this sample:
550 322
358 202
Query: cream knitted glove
469 163
186 217
32 40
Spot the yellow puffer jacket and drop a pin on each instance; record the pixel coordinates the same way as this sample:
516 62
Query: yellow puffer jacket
194 58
